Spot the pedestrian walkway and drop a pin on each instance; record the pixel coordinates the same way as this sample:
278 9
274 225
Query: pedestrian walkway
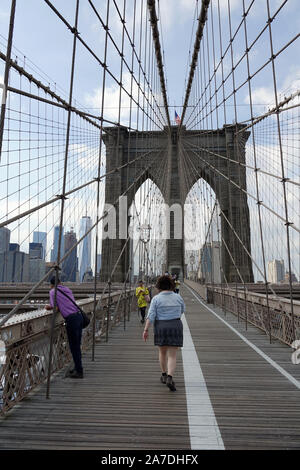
228 396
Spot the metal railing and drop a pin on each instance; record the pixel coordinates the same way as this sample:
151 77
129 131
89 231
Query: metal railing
272 315
27 341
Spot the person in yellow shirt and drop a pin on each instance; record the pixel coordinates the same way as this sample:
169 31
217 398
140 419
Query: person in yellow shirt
177 284
142 292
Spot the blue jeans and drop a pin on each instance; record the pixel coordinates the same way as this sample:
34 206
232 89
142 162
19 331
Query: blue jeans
74 333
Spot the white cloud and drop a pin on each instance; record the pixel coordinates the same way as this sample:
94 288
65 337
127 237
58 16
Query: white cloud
182 10
262 95
265 95
87 156
169 15
233 4
111 99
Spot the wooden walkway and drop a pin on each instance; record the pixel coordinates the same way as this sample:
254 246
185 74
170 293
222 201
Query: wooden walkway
121 404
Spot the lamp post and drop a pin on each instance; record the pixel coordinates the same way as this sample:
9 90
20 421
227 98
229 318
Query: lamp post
145 237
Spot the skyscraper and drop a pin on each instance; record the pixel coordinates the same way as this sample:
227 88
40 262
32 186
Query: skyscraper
37 264
17 267
41 237
4 239
84 247
4 249
210 268
54 250
35 250
69 265
99 258
276 271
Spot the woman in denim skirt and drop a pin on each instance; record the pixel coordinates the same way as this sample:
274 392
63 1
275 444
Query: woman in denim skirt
165 311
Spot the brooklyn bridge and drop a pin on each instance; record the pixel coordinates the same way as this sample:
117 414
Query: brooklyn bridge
138 139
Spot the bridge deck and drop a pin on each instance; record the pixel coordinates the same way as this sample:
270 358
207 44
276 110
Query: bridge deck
120 403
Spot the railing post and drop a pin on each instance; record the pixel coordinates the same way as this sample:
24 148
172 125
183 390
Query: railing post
108 309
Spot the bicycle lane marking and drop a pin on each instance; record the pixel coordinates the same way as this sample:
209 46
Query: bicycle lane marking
203 427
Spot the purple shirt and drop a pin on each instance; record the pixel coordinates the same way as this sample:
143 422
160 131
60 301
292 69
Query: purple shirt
65 306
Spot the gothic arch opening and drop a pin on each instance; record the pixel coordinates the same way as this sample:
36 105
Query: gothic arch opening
202 234
147 229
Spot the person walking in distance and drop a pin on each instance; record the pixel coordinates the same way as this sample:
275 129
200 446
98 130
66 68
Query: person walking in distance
165 311
177 284
142 294
69 310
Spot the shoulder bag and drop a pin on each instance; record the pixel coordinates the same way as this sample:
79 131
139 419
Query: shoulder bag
85 318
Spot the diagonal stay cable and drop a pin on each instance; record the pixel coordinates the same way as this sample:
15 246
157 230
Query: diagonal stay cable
202 20
155 34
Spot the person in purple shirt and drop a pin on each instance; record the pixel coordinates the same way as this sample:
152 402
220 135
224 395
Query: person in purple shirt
69 310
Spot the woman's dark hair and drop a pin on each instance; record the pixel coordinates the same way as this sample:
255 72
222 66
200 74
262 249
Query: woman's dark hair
52 281
165 283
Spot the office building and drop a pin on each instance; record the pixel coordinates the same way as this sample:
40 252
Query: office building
35 250
54 250
41 237
287 277
210 266
69 265
37 269
4 249
85 247
15 265
276 271
37 264
4 239
99 258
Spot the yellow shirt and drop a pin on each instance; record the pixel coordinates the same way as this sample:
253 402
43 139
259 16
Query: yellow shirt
140 292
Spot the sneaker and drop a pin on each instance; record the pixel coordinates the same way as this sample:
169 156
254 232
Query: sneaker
75 375
69 371
170 383
163 379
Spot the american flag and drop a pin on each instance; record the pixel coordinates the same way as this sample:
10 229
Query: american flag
177 119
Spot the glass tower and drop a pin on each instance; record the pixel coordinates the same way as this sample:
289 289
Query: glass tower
84 247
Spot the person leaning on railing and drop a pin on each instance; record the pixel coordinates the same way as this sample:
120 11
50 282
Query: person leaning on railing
165 311
69 310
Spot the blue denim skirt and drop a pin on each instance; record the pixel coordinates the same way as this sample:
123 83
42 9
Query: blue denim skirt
168 333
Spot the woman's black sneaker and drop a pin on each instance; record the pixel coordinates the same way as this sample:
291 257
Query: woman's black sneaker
75 375
170 383
163 378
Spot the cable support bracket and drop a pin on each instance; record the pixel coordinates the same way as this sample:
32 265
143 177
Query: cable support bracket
62 196
74 30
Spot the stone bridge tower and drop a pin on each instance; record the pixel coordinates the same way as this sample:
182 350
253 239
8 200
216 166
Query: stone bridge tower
204 149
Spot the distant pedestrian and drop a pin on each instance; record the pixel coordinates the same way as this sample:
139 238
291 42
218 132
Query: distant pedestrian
177 284
69 310
165 311
142 294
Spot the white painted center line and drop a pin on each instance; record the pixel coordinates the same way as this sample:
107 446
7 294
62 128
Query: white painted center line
256 349
203 426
